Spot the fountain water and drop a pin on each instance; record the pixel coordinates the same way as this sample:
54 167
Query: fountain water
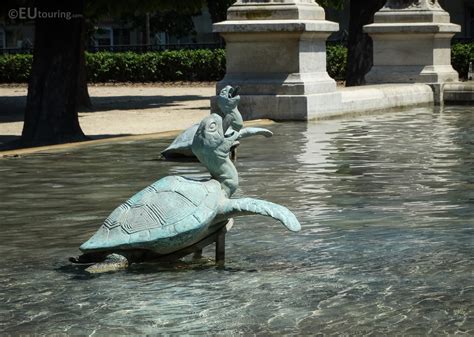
385 202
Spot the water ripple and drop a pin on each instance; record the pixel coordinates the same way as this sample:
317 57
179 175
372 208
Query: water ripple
386 205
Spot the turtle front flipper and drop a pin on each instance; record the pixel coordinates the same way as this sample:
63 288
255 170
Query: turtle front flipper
249 132
246 206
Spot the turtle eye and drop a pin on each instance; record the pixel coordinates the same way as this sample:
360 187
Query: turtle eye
212 126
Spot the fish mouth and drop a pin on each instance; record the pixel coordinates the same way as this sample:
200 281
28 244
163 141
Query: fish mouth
233 92
231 134
227 100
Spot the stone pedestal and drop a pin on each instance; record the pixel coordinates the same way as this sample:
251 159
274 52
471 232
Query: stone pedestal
276 53
412 43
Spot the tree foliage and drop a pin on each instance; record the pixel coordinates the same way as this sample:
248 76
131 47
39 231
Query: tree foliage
118 8
218 9
7 5
172 22
336 4
461 55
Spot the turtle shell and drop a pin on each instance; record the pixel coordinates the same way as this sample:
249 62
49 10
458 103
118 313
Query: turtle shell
169 215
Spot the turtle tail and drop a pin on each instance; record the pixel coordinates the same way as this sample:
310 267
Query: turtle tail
246 206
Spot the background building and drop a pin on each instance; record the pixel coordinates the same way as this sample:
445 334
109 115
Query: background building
112 32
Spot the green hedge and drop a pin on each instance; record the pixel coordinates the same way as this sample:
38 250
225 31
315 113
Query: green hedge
462 54
336 61
175 65
171 65
183 65
15 68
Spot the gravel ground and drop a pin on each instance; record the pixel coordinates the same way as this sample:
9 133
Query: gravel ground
120 109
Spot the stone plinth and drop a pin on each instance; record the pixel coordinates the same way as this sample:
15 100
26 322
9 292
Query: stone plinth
459 93
412 43
276 53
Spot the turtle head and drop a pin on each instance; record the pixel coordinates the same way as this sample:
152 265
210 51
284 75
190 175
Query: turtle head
228 99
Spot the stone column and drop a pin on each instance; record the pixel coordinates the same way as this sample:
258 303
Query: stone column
276 53
412 43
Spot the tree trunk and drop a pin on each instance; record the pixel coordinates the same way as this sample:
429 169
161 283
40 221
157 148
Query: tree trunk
83 98
51 114
360 46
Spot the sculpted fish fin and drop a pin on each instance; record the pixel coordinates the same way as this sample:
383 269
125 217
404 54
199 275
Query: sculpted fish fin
246 206
181 145
249 132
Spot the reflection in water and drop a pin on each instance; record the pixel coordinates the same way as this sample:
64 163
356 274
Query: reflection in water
386 205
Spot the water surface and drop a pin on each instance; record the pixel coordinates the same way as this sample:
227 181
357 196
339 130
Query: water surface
387 245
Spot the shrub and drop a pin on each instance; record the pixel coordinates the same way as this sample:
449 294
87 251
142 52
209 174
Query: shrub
170 65
336 60
15 68
461 55
184 65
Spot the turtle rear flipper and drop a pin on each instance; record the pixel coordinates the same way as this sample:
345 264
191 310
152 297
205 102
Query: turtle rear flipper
246 206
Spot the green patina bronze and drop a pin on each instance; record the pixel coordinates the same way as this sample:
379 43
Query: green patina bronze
176 212
227 102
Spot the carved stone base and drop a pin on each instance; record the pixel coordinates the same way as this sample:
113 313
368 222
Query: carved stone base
411 74
279 10
276 48
289 107
412 45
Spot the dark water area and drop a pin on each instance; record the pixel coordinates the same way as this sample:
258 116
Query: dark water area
386 204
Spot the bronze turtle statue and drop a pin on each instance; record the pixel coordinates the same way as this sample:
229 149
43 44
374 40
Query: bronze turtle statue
176 212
